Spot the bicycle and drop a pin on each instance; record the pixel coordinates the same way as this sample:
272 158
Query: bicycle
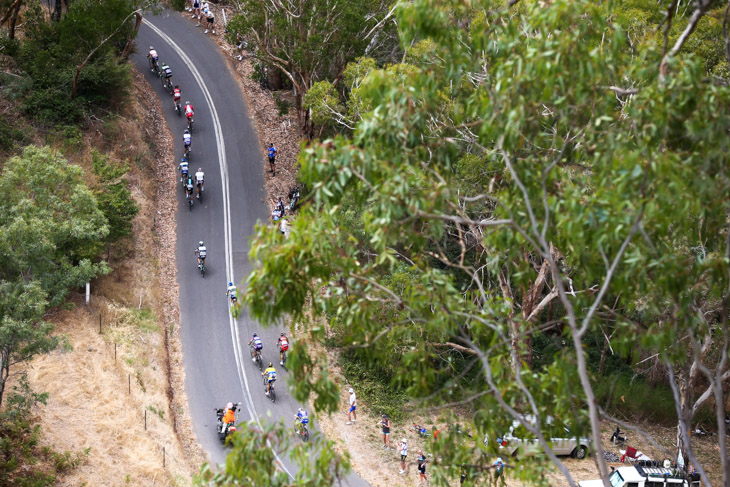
186 152
178 108
201 266
200 192
190 198
256 354
154 67
190 124
302 430
272 393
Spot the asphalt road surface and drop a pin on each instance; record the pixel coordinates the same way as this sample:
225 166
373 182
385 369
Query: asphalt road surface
218 367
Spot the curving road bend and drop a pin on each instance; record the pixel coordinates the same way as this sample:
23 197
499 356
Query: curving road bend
217 363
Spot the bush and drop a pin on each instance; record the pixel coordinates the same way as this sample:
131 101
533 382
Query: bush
633 397
178 5
375 387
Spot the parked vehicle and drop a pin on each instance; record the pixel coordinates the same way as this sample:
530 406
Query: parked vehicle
646 477
516 442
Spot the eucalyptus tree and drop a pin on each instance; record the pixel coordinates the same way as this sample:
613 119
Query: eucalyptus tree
535 171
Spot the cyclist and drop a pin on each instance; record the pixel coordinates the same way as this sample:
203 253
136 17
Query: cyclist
183 167
229 416
201 252
258 345
270 372
231 292
187 141
189 187
300 420
153 58
283 345
200 180
166 74
177 96
189 112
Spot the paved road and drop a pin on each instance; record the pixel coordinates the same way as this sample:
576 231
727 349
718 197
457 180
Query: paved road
217 364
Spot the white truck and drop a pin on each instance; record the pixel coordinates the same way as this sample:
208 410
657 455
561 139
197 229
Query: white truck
644 477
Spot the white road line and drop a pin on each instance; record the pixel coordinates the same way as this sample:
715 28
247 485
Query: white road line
223 165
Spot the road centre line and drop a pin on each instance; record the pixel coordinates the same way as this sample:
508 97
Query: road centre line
223 166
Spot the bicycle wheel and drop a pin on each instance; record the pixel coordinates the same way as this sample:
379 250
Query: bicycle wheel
272 394
305 434
202 270
190 203
253 352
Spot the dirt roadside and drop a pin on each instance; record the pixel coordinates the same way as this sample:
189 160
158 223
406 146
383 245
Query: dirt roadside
119 395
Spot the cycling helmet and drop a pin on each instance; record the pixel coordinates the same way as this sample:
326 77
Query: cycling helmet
177 87
184 159
301 410
254 334
229 405
281 335
201 243
200 169
270 364
231 284
187 131
187 102
152 48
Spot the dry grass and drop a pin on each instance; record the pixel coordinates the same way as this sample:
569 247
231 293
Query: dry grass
91 405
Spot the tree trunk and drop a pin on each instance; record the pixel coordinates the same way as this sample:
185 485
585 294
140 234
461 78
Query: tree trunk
130 42
684 390
56 15
4 372
602 363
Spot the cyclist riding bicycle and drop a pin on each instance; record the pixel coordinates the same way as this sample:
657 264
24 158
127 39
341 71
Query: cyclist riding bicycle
189 112
231 292
177 96
283 345
229 416
166 73
153 58
189 187
201 252
183 167
187 140
258 345
270 372
200 180
300 420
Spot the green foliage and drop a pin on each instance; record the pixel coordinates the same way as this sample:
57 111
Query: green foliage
374 387
178 5
282 104
113 196
252 460
496 151
51 52
51 224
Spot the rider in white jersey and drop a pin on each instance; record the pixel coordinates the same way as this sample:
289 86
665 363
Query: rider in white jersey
200 180
231 292
201 252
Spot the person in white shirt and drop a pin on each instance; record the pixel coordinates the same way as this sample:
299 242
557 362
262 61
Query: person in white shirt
403 455
353 407
200 180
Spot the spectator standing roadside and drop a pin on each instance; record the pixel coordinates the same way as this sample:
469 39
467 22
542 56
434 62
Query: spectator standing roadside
422 467
499 471
272 158
403 455
386 432
464 475
210 18
353 407
196 9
